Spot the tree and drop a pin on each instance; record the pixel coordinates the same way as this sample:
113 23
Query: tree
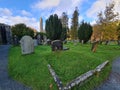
96 35
21 29
65 29
84 32
118 33
64 20
74 26
106 21
53 27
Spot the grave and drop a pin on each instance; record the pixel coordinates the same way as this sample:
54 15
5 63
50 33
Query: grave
35 42
57 45
15 40
27 45
39 40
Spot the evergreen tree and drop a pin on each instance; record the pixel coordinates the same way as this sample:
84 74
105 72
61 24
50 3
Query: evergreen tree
65 29
84 32
64 20
74 26
53 27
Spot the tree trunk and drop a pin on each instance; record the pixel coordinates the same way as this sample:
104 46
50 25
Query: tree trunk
118 42
94 46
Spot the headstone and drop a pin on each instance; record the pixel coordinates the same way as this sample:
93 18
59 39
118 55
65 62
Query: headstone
27 45
35 42
48 42
15 40
45 39
57 45
39 39
82 41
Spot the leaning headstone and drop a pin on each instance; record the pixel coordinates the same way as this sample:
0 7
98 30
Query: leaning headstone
27 45
35 42
57 45
39 39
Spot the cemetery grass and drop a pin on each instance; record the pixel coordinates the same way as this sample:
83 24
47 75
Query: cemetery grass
32 69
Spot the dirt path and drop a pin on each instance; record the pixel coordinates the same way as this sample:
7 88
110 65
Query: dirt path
113 82
6 83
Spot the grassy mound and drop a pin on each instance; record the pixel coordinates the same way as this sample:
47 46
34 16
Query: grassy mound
32 69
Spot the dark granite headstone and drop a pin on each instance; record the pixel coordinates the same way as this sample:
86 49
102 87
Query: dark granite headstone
57 45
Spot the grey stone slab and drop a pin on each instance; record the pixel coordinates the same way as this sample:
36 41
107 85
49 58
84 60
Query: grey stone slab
27 45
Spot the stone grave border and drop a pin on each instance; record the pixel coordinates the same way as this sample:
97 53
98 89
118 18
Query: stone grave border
80 79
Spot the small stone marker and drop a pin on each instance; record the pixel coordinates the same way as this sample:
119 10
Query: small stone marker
27 45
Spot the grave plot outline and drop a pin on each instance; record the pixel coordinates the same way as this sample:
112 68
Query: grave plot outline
78 79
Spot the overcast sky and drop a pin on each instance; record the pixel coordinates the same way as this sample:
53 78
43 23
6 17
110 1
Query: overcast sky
30 11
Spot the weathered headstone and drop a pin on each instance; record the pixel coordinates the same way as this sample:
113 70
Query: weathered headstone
48 42
39 39
57 45
15 40
35 42
45 40
27 45
82 41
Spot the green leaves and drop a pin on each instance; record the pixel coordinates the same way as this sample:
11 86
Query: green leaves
53 27
21 29
84 31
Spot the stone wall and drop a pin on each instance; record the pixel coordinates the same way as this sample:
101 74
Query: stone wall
5 34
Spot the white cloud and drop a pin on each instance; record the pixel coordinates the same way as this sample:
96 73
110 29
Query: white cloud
25 13
117 6
5 11
10 19
45 4
56 6
100 5
93 22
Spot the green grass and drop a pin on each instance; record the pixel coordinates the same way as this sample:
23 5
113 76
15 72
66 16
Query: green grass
32 69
